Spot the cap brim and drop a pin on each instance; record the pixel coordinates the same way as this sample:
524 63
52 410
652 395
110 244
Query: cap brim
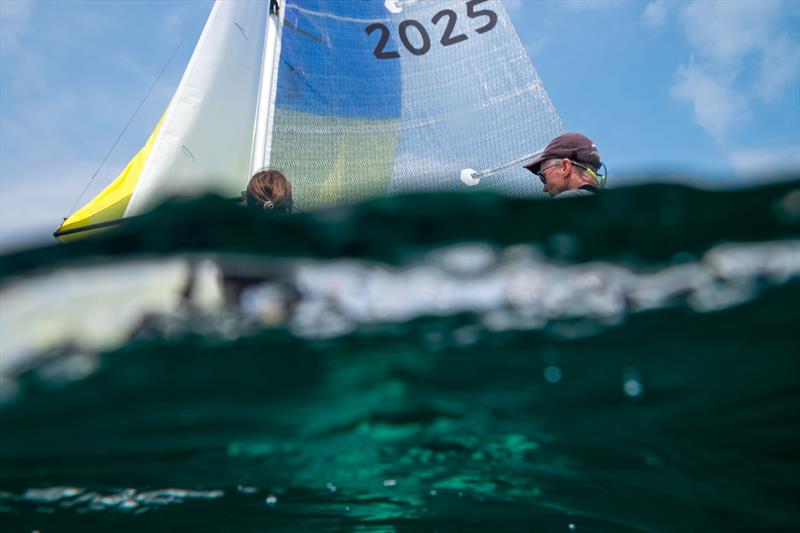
535 165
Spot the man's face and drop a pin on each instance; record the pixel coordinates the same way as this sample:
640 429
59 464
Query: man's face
554 176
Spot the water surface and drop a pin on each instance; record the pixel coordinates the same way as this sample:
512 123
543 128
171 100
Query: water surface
430 363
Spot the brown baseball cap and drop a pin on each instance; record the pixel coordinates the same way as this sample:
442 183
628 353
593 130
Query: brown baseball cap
574 146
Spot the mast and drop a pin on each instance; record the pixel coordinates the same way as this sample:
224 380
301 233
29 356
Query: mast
262 132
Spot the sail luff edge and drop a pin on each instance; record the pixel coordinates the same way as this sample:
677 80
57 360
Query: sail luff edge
262 129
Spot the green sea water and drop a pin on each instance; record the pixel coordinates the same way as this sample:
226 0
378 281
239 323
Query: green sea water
430 363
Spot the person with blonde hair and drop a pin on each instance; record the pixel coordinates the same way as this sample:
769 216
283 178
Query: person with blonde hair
270 190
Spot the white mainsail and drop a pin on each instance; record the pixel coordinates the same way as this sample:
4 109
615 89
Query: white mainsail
360 99
203 141
206 137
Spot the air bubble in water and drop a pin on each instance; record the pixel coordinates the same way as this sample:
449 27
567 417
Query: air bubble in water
632 385
572 527
389 482
331 487
633 388
552 374
434 492
271 500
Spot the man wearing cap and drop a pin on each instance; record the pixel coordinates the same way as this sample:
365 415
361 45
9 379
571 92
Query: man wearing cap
568 167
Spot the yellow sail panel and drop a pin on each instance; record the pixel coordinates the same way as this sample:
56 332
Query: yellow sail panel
110 204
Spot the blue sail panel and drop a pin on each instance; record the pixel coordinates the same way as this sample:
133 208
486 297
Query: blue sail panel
392 96
327 66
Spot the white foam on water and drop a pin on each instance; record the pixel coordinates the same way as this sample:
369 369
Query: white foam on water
123 500
83 310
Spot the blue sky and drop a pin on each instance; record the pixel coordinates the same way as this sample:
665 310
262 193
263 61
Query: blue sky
708 90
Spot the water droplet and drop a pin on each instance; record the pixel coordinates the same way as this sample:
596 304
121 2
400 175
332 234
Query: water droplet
631 383
389 482
632 388
331 487
552 374
271 500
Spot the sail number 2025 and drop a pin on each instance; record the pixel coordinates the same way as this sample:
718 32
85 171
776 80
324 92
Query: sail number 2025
448 38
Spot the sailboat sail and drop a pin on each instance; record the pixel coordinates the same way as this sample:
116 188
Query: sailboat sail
109 206
372 97
204 139
205 143
405 95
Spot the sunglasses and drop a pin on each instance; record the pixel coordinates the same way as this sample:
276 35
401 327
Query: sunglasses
541 173
600 179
